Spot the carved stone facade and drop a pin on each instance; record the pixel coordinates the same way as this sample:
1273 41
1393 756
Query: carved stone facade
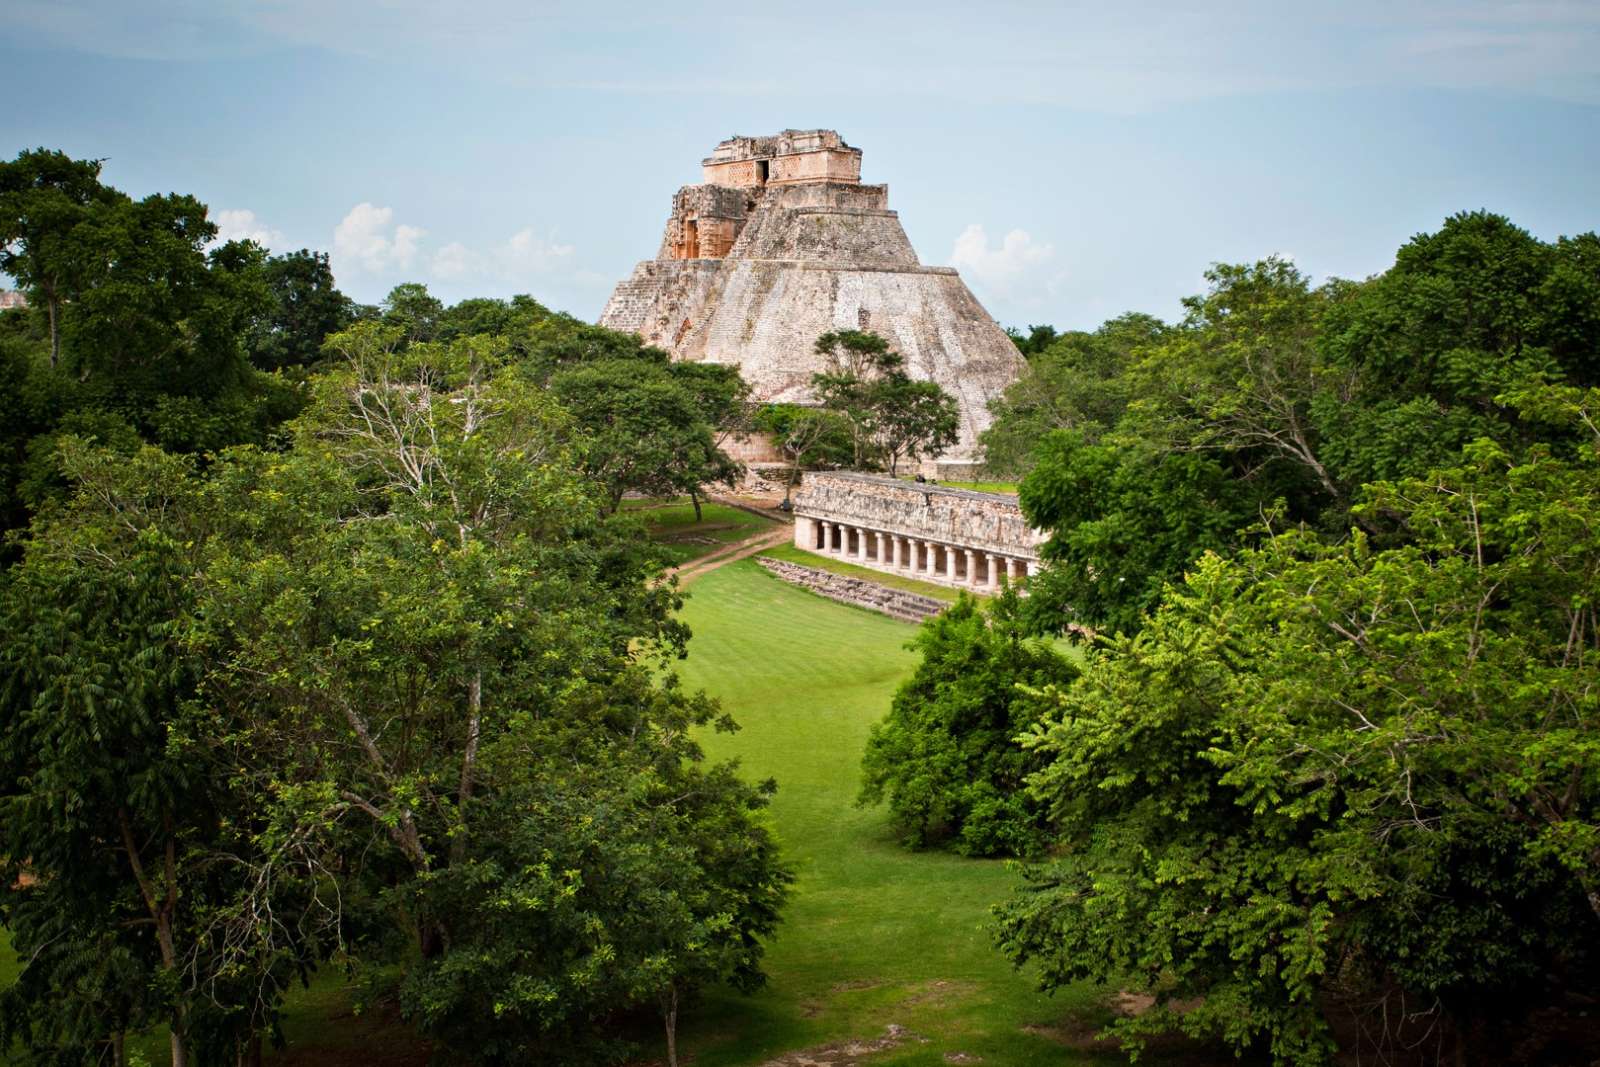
10 298
781 244
951 536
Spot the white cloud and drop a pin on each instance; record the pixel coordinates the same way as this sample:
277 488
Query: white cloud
527 251
365 237
1009 269
241 224
454 260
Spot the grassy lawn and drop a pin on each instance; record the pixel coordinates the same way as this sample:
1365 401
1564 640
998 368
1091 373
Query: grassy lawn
984 487
874 934
671 524
850 570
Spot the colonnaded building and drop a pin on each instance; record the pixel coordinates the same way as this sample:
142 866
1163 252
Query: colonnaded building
779 244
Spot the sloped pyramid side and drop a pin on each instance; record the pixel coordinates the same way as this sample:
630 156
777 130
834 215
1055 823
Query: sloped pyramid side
809 260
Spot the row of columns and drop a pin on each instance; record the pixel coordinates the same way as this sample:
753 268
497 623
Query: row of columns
919 558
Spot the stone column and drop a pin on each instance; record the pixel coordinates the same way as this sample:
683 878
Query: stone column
972 566
991 575
894 551
861 544
1029 568
805 533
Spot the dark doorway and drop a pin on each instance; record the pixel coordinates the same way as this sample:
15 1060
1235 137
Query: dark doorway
761 171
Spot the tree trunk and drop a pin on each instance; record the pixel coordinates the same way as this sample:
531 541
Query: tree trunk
694 498
469 761
55 333
119 1049
669 1015
162 912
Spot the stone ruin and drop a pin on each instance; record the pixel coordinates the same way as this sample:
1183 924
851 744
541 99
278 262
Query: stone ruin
781 243
933 533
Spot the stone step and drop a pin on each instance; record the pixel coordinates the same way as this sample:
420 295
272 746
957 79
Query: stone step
859 592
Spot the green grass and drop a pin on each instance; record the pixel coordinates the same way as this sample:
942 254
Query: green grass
850 570
874 934
671 524
984 487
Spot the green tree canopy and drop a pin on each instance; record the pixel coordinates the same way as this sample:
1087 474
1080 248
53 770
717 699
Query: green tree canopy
1327 768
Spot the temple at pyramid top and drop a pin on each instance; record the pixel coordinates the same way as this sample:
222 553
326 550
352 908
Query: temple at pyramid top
788 157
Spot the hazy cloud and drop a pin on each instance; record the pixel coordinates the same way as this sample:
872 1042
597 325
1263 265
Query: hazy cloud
1121 57
1012 269
366 238
526 253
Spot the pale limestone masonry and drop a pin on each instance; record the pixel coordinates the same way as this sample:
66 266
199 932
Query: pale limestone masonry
10 298
953 537
858 592
782 243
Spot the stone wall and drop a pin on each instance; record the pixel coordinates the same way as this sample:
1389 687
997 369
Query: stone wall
897 603
988 522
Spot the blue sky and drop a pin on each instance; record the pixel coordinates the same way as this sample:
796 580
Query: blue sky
1074 160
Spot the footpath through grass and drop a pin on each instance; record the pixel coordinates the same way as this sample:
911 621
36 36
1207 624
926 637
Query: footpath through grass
671 524
874 934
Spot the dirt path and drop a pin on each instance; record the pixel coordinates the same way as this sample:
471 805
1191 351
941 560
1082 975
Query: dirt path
736 551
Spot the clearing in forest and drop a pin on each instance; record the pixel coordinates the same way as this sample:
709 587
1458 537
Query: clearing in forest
875 936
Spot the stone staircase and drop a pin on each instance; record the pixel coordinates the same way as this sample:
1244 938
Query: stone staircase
858 592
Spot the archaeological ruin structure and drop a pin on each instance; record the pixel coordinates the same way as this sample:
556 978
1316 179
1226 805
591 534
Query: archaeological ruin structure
930 532
781 243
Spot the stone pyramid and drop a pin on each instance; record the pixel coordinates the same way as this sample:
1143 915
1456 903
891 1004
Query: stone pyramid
781 243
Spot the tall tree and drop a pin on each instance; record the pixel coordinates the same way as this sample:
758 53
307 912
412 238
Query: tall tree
306 309
945 757
44 196
890 416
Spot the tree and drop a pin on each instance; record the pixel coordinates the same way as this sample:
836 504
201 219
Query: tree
807 437
1080 382
1035 341
44 196
1330 767
414 311
1465 315
1124 521
644 431
119 842
443 668
307 308
915 419
946 757
889 415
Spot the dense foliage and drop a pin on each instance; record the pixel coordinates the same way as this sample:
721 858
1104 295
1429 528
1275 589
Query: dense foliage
1330 768
1273 395
327 643
400 701
945 757
140 327
1336 773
